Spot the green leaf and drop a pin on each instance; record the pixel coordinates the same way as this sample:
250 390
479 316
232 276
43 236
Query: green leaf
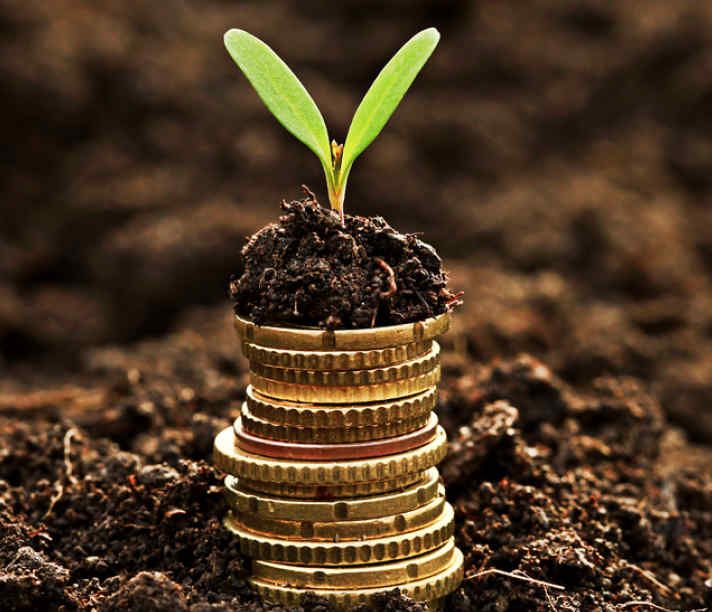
384 95
281 91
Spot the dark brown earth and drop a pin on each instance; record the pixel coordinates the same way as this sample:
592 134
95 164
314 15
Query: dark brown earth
558 156
310 269
108 500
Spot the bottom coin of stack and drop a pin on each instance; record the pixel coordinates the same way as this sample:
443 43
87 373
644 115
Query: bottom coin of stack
345 520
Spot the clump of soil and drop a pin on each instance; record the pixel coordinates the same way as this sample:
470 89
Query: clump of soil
309 269
568 500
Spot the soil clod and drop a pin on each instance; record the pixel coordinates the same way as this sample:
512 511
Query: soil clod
311 269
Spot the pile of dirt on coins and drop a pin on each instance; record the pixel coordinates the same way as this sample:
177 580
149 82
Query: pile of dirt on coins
310 269
565 498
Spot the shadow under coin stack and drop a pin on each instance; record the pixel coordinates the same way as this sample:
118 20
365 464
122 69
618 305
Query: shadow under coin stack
331 479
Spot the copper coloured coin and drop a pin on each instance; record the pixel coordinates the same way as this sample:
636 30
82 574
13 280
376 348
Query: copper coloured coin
335 452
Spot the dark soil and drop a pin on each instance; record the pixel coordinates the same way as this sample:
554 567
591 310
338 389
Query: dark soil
557 153
108 499
310 269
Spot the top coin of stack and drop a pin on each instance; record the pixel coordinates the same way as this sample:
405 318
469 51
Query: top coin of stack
331 463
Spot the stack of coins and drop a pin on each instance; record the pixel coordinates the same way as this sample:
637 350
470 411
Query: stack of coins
331 479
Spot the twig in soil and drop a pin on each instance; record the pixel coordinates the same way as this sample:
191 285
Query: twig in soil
15 559
68 455
390 277
650 604
55 498
67 442
663 588
518 576
549 600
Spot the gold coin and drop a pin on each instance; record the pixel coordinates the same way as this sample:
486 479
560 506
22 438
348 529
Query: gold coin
335 360
342 531
346 394
418 494
391 574
350 489
335 452
229 458
378 550
426 589
351 378
284 412
325 435
306 339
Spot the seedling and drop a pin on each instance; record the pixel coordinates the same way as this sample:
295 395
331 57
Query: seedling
290 102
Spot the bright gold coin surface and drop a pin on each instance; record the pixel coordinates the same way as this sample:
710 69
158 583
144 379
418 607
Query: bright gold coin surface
426 589
334 360
297 414
342 531
377 550
346 394
350 378
296 339
229 458
395 573
325 435
363 508
335 491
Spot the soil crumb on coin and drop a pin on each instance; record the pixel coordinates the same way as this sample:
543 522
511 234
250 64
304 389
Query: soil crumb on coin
309 269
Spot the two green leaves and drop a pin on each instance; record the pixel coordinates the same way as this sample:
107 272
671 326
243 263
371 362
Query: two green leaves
294 108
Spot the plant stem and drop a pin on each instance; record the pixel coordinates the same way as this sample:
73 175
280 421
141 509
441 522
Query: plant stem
337 191
336 199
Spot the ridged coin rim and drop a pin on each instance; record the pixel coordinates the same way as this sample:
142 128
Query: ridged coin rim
320 415
377 550
229 458
391 574
325 435
335 452
346 394
428 589
351 378
334 360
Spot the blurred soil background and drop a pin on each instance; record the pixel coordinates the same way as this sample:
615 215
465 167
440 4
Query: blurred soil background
559 156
